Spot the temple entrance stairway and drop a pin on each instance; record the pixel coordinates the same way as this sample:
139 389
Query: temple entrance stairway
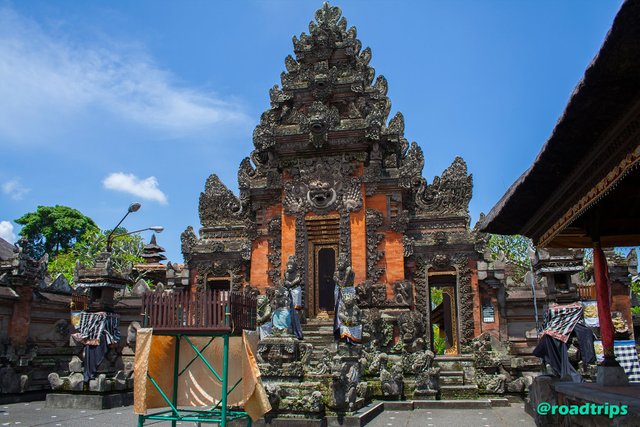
457 377
319 333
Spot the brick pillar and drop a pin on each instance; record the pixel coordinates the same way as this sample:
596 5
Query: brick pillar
260 264
21 316
288 243
359 245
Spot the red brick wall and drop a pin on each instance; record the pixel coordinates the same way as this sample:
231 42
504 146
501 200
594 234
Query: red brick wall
359 245
288 239
393 260
21 316
259 264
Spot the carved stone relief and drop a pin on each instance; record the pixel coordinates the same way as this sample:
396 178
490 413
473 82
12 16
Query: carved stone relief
322 185
374 221
218 205
448 194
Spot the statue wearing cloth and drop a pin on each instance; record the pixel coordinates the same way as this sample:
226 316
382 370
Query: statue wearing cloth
347 325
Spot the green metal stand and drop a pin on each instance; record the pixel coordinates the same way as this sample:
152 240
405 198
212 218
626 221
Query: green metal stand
220 413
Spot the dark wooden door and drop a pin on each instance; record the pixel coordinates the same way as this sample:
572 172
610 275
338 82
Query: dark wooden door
326 267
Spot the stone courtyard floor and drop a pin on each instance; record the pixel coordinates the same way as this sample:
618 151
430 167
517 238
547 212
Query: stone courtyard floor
35 414
509 416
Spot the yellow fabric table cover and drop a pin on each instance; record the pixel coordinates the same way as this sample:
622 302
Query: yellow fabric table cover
197 386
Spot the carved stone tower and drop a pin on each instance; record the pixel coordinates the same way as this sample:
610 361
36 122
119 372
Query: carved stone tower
332 176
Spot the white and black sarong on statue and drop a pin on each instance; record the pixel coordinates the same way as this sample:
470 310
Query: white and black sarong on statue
97 331
349 333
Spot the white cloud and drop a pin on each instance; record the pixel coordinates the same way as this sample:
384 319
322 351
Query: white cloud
6 231
129 183
15 189
51 82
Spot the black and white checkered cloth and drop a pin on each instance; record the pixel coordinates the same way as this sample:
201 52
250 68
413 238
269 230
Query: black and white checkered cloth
561 319
627 357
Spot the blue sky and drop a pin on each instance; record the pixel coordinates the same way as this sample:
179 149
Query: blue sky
106 103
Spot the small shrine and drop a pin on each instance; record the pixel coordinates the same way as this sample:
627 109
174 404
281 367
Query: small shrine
97 372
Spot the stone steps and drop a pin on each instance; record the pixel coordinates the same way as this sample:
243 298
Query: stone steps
319 333
451 378
469 391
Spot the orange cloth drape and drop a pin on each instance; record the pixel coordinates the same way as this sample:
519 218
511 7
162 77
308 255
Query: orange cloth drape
197 386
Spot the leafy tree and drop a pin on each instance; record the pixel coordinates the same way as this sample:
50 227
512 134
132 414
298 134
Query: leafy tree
439 341
125 251
635 290
516 251
53 229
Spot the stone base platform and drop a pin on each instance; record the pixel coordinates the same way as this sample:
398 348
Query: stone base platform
89 400
358 419
29 396
554 392
369 412
579 394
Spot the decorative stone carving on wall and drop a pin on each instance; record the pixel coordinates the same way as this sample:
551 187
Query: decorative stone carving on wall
422 292
218 205
274 228
400 221
219 268
322 185
403 292
246 173
345 235
371 294
411 166
391 381
374 220
412 329
408 246
448 194
465 299
188 240
319 119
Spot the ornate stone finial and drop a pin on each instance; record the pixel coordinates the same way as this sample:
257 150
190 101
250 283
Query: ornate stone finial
188 239
448 194
218 205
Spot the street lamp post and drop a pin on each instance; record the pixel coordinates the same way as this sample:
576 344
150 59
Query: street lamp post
133 207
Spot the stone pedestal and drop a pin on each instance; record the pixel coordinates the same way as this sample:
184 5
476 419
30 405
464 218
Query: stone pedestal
345 378
89 401
282 356
611 376
541 391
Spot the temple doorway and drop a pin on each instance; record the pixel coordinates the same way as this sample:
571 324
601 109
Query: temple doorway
325 266
444 319
323 235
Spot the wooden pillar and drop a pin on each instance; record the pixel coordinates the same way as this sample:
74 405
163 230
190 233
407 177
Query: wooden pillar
603 296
